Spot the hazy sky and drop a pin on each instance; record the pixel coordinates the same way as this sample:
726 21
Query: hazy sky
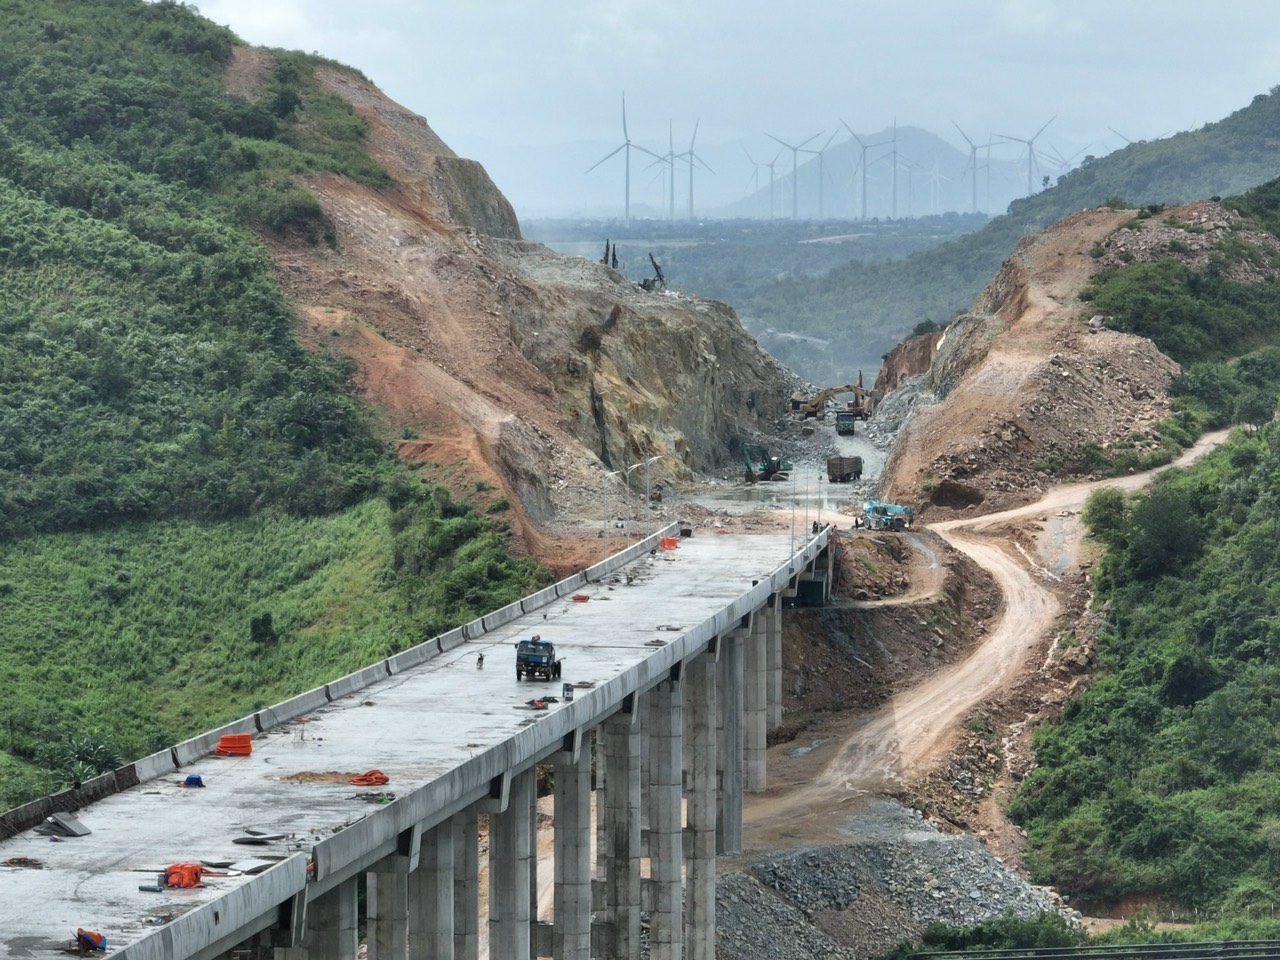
502 73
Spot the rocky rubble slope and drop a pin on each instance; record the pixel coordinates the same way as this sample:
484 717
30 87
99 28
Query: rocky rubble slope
897 874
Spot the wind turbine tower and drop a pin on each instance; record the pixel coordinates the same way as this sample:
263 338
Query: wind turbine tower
795 150
627 146
972 168
819 154
693 158
1031 151
862 160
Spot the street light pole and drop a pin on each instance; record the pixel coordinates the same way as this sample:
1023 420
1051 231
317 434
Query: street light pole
627 481
648 489
604 505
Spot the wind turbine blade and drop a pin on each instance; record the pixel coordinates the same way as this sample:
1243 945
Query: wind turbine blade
636 146
1119 134
604 158
702 163
965 135
694 138
783 142
1044 128
829 139
852 134
803 142
625 136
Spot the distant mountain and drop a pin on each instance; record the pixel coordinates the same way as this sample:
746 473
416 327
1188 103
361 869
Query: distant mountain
866 307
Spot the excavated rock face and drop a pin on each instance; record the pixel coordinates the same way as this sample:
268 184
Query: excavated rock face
637 372
1021 384
433 178
908 359
537 369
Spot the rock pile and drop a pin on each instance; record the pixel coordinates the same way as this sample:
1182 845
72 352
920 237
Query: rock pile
863 897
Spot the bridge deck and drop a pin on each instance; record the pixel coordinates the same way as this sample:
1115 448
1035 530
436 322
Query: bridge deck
415 727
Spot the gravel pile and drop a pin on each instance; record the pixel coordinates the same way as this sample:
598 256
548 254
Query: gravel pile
899 874
753 921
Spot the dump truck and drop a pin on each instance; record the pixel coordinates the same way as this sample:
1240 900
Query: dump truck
846 422
844 469
887 516
536 659
761 466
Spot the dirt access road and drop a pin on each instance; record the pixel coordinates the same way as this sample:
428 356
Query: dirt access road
810 794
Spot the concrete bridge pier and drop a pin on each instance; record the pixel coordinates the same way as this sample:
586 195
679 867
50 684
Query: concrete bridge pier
773 632
666 845
729 751
622 830
571 935
700 866
331 929
511 849
387 911
755 704
431 886
465 831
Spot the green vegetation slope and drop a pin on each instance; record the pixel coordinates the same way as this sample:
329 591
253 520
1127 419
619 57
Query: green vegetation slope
195 513
1163 779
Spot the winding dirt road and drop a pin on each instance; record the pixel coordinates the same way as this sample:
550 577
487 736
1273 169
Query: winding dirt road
901 739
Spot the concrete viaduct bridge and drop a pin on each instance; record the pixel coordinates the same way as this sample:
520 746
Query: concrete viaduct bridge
674 663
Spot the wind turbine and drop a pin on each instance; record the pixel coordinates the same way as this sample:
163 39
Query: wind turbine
1031 150
973 164
910 168
628 146
1065 163
795 151
819 154
669 158
692 158
862 160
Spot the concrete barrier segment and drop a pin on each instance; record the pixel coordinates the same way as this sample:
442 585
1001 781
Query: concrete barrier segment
451 640
271 717
355 681
158 764
189 751
227 921
419 653
570 584
502 616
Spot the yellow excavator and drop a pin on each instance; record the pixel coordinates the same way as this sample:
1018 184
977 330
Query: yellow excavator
815 406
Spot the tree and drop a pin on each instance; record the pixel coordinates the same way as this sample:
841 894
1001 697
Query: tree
1256 407
1105 512
1164 531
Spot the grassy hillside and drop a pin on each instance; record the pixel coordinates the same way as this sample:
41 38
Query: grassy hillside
173 465
1163 779
867 307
